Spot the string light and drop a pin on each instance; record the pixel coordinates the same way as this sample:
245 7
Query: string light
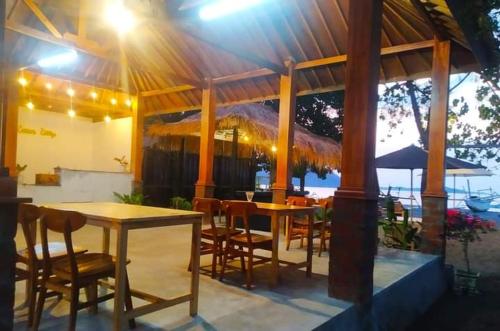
93 95
70 92
71 113
107 118
246 138
274 149
30 105
114 101
128 102
48 86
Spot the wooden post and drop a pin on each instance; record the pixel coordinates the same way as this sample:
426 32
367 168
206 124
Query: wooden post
11 104
434 199
353 247
137 153
234 160
284 157
205 185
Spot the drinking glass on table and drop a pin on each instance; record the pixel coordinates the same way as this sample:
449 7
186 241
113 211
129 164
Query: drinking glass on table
249 195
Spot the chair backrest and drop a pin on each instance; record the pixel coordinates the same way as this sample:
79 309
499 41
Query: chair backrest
27 216
64 222
210 207
239 209
300 201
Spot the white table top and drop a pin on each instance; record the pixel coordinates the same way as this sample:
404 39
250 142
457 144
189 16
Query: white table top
119 212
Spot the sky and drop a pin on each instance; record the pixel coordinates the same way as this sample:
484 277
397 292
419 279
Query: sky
401 178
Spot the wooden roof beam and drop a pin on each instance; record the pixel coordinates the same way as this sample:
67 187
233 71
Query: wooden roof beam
300 66
240 53
44 19
76 43
422 10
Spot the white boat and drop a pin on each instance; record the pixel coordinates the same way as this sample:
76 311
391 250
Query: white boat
476 203
480 202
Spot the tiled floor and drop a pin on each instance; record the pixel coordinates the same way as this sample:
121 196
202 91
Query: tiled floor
159 266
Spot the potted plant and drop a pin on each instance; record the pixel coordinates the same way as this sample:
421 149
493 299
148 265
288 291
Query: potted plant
135 198
465 229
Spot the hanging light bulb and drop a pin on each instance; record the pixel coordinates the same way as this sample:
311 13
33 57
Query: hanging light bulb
128 103
107 118
274 149
70 92
245 138
48 86
30 105
114 101
71 113
22 81
93 95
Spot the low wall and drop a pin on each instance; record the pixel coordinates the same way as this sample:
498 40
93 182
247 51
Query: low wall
80 186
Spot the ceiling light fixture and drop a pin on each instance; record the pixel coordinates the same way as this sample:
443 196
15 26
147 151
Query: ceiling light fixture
93 95
48 86
30 105
58 60
70 92
274 149
128 103
119 17
71 113
114 101
107 118
221 8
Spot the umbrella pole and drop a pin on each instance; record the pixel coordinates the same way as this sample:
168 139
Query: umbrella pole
411 195
454 189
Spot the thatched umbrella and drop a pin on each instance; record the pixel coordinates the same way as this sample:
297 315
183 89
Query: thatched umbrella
258 126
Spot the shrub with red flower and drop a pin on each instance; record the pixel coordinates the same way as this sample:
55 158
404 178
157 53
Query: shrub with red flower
465 228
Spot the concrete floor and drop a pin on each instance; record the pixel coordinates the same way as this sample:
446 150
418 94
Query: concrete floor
159 260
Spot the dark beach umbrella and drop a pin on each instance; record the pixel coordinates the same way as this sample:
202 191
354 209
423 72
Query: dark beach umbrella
413 157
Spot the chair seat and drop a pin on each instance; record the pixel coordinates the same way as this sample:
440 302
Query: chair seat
221 233
305 222
256 238
88 264
56 250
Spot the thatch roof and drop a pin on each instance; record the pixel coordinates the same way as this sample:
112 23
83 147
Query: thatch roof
259 124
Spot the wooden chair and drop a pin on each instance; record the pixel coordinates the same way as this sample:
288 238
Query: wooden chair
213 238
246 242
31 256
298 226
73 272
326 226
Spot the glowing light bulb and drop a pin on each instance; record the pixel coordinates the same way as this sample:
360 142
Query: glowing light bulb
70 92
30 105
128 102
246 138
113 101
93 95
22 81
71 113
274 149
48 86
119 17
107 118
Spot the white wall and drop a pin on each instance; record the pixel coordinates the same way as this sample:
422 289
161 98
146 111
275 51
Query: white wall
79 143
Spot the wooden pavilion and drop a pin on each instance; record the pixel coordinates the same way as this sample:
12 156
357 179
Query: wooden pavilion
172 61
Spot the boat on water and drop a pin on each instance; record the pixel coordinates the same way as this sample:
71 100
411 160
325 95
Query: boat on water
481 202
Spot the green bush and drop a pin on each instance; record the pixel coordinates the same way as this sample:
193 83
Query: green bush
180 203
135 198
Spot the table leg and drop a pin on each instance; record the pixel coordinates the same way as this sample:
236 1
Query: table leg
310 217
275 226
195 268
105 240
120 273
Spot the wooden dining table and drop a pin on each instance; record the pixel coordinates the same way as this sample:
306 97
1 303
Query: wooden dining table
276 212
122 218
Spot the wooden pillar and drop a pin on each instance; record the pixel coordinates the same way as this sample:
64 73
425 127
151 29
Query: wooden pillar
284 154
234 161
137 152
205 184
353 247
11 106
434 199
